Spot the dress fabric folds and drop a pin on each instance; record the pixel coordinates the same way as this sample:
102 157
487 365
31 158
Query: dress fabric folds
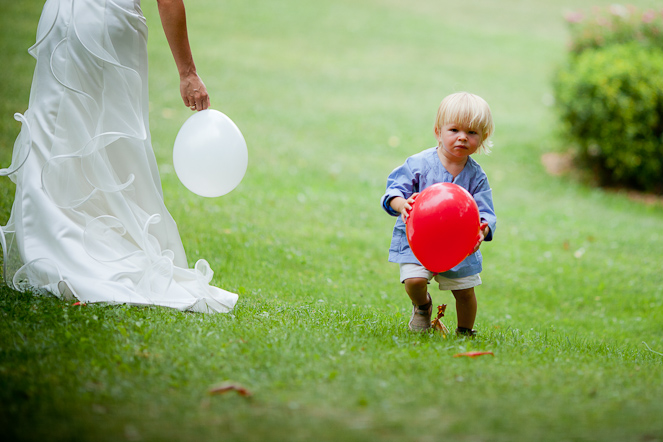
88 219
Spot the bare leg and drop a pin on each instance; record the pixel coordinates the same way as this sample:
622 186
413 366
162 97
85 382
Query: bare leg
417 290
466 307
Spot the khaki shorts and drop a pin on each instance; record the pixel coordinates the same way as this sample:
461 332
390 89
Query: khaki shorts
409 270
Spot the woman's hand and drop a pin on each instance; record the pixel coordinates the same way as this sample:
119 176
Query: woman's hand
194 93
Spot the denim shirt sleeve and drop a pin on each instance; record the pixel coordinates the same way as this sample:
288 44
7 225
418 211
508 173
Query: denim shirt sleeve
402 181
484 199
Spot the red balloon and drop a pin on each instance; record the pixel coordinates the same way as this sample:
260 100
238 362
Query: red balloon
443 226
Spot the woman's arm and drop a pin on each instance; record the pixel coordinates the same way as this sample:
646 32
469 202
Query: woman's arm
173 19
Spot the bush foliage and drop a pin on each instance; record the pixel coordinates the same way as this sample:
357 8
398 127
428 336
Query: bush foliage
611 103
610 96
614 25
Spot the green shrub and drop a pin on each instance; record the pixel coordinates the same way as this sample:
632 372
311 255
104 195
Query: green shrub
611 105
616 24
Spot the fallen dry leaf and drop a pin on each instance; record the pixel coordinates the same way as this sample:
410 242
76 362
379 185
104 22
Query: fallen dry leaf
437 323
473 354
225 388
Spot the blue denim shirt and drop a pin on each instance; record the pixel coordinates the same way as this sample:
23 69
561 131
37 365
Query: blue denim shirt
420 171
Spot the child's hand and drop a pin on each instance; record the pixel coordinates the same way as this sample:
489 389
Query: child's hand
483 232
408 204
403 206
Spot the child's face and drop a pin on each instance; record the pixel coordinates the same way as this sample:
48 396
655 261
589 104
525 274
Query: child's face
458 140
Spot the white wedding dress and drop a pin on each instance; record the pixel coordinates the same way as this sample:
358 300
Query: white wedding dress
89 220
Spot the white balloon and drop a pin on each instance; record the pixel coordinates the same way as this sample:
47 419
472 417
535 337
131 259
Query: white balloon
210 155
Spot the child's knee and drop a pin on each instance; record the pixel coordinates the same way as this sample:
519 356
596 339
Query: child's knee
463 294
416 283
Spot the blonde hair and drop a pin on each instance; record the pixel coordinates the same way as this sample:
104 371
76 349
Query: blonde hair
470 110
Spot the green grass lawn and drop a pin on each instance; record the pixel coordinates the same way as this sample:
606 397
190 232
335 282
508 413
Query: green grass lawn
331 96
